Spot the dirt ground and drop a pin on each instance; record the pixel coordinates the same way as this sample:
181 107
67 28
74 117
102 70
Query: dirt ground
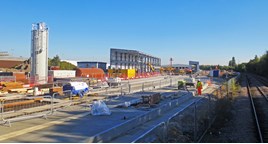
235 123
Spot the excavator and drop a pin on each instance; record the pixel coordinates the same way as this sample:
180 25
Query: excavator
168 69
151 67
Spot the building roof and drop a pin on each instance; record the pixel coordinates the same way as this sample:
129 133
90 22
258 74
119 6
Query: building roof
10 63
134 51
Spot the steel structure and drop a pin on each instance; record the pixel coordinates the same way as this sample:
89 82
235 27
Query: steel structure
132 59
196 64
39 53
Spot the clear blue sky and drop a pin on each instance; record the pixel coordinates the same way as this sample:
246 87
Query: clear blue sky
209 31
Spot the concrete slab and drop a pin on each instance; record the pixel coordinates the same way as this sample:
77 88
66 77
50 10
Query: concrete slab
75 124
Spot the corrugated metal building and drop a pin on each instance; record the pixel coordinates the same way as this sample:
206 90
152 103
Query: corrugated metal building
92 64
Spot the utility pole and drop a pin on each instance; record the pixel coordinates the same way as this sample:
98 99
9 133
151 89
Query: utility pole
170 69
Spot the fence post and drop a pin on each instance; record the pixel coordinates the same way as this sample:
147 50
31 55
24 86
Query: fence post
160 84
2 108
121 90
143 87
227 86
195 124
129 88
170 82
52 103
209 107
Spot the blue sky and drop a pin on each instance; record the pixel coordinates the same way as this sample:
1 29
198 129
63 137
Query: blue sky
209 31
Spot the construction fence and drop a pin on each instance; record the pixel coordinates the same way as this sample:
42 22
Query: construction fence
21 107
192 122
150 85
200 115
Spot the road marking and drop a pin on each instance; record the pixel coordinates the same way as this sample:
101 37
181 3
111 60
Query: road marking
38 127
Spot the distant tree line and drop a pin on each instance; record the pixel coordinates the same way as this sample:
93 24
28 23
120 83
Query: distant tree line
211 67
55 61
258 65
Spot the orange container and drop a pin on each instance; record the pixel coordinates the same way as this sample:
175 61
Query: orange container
20 76
90 73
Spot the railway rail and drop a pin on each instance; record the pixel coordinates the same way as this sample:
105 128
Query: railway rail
259 103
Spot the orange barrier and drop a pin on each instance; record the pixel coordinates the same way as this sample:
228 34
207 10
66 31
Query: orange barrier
209 82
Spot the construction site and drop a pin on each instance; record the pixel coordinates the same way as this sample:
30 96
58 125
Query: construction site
135 100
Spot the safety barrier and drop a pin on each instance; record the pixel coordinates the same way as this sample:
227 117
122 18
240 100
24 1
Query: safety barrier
16 109
27 107
128 88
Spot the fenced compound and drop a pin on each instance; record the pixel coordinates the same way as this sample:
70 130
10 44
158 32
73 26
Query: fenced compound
192 122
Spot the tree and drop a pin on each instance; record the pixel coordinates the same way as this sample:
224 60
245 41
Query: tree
241 67
230 63
233 62
55 61
67 66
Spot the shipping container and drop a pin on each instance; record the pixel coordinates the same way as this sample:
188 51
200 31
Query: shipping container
62 73
20 77
211 73
216 73
90 73
122 73
128 73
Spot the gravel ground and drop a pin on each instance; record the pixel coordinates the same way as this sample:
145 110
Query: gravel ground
238 125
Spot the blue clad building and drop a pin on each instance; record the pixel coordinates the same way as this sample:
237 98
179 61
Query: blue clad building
92 64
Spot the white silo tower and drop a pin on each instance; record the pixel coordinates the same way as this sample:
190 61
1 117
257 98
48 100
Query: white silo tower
39 53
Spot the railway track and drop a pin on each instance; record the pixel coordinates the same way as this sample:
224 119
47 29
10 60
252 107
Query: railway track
259 102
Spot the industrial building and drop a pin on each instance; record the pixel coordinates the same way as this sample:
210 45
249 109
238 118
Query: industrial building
8 61
39 53
92 64
133 59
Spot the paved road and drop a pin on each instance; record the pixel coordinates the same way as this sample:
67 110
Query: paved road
74 124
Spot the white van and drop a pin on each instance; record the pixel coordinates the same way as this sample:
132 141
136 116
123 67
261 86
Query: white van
190 81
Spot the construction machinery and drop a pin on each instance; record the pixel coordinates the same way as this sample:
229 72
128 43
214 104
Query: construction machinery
151 67
114 81
190 82
169 70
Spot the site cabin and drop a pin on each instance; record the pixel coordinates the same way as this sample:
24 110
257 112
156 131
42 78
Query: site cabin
190 82
77 88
